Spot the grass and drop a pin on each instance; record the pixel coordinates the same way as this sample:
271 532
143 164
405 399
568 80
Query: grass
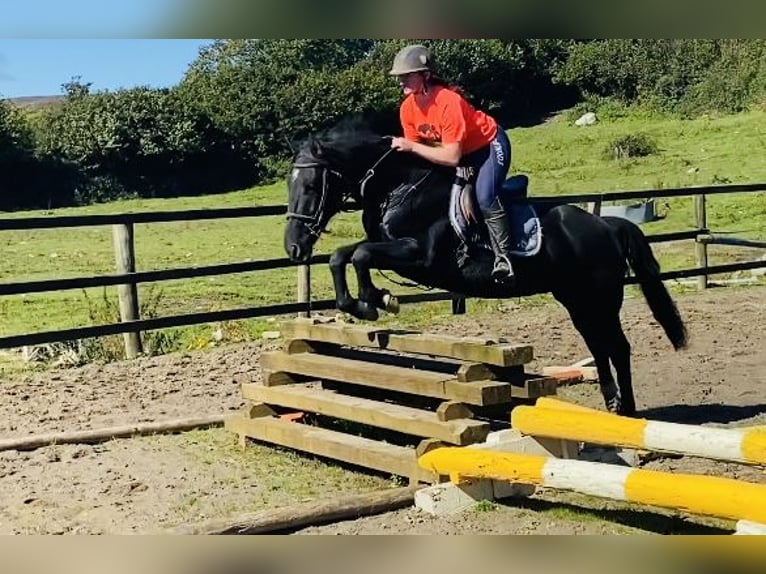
485 506
558 157
272 476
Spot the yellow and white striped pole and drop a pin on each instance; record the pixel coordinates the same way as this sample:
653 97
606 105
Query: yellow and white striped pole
554 419
705 495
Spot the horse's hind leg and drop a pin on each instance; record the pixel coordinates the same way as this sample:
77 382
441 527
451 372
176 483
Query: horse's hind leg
620 356
590 324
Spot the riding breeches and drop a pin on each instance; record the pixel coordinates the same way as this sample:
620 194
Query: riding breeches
491 164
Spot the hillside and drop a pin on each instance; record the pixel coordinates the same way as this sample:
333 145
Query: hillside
35 102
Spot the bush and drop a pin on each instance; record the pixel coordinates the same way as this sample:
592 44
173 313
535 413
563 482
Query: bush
634 145
16 140
733 83
138 142
685 76
29 180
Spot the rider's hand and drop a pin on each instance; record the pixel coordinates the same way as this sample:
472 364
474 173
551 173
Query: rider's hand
401 144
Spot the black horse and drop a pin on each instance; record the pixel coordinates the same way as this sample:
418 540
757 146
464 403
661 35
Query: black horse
583 260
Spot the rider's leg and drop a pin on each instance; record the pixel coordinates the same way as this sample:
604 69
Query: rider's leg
500 239
490 177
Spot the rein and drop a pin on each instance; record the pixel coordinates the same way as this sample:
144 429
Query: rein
371 172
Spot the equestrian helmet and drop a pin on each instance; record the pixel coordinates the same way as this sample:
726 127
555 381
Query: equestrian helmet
412 58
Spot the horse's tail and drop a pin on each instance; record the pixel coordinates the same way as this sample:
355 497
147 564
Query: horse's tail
639 254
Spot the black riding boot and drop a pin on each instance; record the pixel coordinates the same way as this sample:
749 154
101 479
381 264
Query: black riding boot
500 239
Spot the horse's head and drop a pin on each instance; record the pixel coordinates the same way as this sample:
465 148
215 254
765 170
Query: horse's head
326 176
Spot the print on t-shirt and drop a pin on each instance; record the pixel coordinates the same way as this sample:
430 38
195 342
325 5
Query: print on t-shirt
428 134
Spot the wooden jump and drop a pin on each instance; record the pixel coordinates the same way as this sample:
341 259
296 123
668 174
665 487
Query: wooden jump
703 495
427 389
555 419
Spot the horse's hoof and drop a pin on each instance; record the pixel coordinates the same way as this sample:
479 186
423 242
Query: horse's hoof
626 411
391 303
366 312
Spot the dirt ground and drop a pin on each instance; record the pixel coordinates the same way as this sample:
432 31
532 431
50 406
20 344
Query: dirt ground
148 484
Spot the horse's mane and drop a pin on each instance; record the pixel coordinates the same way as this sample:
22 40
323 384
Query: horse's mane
343 139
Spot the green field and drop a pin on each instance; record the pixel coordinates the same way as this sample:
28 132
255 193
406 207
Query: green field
559 158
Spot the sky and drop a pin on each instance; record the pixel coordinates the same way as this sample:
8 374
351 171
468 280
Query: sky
87 18
38 67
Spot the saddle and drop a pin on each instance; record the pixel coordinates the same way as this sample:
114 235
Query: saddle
526 231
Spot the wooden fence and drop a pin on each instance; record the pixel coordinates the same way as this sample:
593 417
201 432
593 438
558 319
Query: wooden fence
127 278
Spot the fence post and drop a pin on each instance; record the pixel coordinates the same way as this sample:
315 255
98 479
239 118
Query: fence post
125 260
700 214
594 207
304 289
458 305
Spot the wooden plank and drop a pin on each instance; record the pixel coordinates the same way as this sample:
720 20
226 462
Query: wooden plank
258 410
567 375
451 410
413 381
535 387
462 370
481 393
464 348
294 346
468 372
375 413
276 378
356 450
360 372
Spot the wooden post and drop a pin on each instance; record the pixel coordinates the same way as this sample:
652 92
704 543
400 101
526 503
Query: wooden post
304 289
125 260
700 214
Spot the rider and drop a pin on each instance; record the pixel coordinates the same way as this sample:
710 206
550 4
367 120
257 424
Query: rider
442 127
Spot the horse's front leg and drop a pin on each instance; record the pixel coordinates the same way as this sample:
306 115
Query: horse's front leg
343 299
392 255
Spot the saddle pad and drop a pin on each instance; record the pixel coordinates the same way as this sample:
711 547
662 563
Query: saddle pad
526 231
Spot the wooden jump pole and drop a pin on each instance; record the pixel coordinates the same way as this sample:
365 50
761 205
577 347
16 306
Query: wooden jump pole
738 445
305 514
704 495
105 434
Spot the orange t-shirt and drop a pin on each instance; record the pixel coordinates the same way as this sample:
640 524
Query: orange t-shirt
448 118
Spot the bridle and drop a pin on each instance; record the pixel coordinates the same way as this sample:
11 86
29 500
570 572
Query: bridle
313 223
